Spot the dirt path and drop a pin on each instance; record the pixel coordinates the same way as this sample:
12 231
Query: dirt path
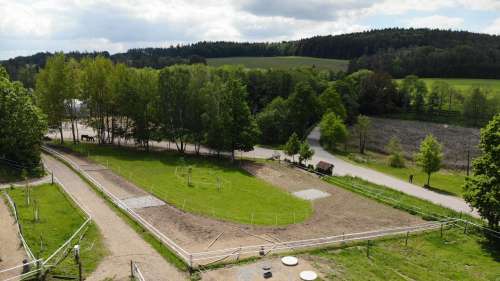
37 181
11 251
342 212
123 243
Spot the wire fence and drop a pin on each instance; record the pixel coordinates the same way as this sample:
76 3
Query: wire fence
197 259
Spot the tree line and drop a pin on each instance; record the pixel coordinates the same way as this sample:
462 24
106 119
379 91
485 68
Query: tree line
22 126
397 51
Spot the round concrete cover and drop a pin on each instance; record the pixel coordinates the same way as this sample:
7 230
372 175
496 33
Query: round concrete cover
308 275
289 260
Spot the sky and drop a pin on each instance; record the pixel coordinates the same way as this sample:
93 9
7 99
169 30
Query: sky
27 27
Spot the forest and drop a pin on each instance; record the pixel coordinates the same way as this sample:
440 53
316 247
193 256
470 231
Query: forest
397 51
198 104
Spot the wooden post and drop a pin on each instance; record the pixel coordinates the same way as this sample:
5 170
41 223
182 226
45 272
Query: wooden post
52 175
465 228
80 275
368 249
441 230
406 240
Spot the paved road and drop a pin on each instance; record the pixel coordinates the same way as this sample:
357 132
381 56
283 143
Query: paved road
123 243
345 168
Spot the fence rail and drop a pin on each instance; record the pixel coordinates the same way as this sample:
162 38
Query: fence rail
316 242
193 258
13 273
57 256
135 272
26 247
178 250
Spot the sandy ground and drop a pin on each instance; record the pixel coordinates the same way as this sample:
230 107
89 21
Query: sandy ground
341 168
122 242
342 212
11 251
254 271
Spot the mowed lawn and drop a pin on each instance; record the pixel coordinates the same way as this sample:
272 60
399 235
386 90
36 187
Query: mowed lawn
445 181
217 187
281 62
59 218
427 257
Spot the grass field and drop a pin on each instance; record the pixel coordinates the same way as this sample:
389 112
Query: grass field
445 181
427 257
218 188
281 62
465 84
58 220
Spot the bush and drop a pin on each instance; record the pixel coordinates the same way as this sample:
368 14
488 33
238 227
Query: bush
396 158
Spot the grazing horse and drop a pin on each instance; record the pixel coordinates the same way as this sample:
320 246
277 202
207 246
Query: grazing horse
87 138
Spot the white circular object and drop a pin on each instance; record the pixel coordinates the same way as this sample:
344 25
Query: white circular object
289 260
308 275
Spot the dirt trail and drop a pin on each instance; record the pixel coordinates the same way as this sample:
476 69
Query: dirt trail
123 243
11 251
342 212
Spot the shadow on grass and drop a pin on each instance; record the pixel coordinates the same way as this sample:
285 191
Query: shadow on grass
491 244
440 191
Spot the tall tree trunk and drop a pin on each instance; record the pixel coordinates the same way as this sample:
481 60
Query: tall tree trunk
77 132
73 130
61 131
429 179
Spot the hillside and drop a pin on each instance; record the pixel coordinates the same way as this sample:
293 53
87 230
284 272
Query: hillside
281 62
424 52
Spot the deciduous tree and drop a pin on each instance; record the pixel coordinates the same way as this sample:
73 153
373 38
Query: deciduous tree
333 130
482 190
429 156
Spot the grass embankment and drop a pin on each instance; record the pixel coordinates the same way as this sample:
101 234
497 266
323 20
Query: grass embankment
59 218
395 198
428 256
218 188
281 62
444 181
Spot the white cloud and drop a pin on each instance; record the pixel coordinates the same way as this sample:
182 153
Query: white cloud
494 27
436 21
398 7
48 25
